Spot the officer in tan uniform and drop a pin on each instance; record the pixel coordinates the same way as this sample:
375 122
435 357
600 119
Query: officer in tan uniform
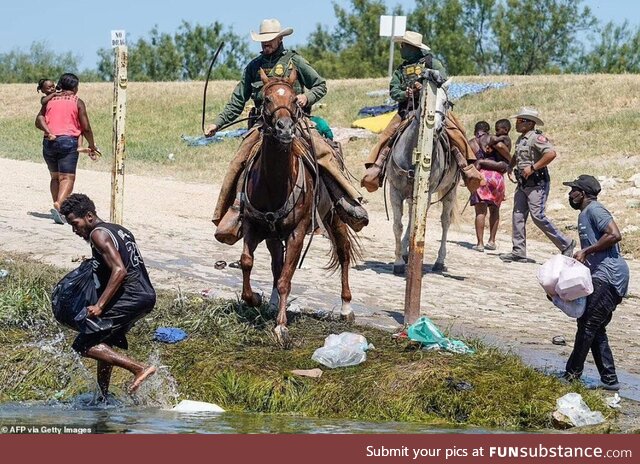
533 153
277 61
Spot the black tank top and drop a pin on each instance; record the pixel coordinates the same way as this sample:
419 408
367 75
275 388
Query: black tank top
137 282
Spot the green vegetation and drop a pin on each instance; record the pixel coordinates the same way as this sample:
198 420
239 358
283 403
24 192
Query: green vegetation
232 359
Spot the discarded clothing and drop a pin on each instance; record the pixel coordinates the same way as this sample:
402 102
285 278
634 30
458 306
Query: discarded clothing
169 335
322 126
425 332
201 140
377 110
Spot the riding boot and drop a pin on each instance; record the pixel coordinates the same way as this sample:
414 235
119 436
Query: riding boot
348 209
372 179
229 228
473 178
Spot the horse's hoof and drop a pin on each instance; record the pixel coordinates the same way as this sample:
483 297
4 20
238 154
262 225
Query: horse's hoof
439 267
282 335
350 317
254 301
405 258
399 269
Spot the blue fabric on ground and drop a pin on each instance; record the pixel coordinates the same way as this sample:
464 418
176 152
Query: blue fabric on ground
201 140
169 335
456 92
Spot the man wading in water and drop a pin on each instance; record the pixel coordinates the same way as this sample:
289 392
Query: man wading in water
125 293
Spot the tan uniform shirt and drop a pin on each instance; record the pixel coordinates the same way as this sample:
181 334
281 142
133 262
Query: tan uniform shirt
530 147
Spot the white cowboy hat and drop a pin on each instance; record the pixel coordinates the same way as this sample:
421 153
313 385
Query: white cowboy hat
269 30
531 114
412 38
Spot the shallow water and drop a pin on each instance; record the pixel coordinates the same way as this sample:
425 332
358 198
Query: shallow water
126 419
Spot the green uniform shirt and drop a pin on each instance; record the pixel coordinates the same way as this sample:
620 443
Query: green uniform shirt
279 64
530 147
408 72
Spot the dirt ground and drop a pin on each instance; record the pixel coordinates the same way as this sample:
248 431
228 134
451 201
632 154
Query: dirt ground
479 296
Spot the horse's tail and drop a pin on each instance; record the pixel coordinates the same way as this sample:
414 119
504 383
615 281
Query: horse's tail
355 248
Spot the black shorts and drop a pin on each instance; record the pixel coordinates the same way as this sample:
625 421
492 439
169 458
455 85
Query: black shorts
123 318
61 154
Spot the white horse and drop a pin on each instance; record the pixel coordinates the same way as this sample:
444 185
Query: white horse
443 182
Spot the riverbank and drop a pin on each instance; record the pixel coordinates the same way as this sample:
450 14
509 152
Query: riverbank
232 359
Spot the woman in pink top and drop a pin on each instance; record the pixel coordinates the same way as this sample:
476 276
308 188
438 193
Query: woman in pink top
63 119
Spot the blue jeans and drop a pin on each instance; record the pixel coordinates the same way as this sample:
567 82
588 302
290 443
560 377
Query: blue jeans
61 154
592 333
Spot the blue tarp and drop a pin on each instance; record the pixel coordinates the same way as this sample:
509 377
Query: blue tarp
456 91
201 140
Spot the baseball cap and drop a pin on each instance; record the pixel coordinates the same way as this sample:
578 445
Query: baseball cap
588 184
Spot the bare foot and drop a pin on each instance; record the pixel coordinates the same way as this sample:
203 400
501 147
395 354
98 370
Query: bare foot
141 377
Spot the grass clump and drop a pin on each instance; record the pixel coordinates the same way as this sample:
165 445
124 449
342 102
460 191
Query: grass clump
232 359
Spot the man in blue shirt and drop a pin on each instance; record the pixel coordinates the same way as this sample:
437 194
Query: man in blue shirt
600 251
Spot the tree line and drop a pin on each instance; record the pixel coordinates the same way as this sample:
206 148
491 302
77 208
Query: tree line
470 36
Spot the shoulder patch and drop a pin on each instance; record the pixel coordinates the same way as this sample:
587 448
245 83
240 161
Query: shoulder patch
542 138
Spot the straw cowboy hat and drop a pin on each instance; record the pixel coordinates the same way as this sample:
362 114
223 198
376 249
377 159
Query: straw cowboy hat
531 114
412 38
269 30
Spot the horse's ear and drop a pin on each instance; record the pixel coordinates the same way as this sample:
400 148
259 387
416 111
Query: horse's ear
263 76
293 76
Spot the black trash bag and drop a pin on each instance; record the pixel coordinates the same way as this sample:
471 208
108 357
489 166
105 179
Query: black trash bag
72 295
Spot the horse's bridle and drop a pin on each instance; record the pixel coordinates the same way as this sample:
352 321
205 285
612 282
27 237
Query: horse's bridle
267 116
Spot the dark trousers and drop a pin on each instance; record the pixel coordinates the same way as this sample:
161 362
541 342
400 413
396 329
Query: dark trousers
592 333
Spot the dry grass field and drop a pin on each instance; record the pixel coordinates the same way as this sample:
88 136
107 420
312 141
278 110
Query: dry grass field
594 120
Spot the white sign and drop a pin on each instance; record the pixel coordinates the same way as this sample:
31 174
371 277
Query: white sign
118 38
393 26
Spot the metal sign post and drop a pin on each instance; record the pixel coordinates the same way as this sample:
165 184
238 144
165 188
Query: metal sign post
119 117
392 26
420 204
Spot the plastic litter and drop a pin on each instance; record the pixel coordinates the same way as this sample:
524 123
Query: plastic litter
196 406
573 308
614 401
346 349
313 373
169 335
208 293
425 332
3 273
573 407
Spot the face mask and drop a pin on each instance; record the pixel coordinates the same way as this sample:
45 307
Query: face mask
408 52
574 204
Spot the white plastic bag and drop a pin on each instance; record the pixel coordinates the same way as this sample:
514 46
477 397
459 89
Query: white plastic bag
573 308
549 272
574 281
572 406
346 349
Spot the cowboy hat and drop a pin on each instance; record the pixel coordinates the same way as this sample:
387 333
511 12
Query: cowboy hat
412 38
269 30
530 114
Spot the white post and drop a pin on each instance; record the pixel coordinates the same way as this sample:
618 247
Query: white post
118 138
391 47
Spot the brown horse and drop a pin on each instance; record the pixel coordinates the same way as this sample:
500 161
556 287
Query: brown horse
279 196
